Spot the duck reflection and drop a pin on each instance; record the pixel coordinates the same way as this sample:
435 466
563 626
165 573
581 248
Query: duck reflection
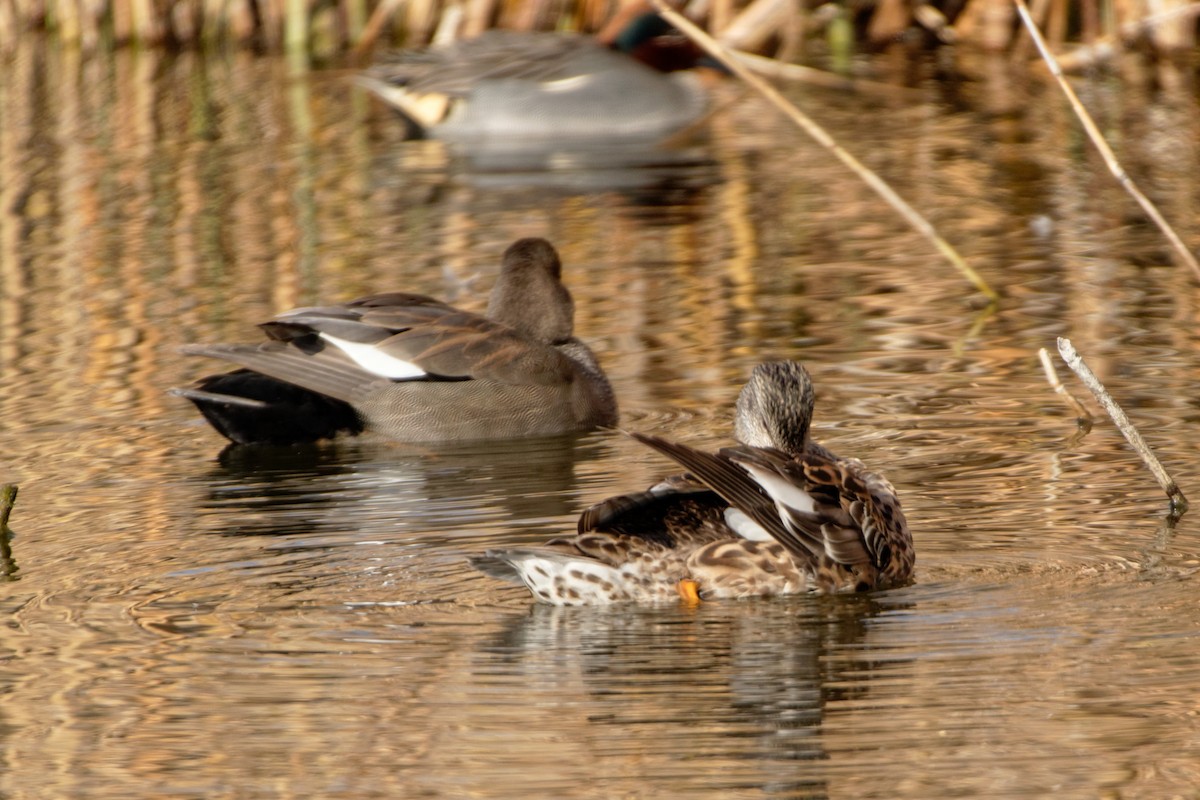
640 180
744 681
385 489
646 177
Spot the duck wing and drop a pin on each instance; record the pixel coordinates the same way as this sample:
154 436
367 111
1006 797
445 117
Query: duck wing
461 345
676 511
818 506
458 68
818 497
329 372
336 350
741 491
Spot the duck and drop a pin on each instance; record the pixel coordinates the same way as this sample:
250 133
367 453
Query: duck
632 84
776 514
411 368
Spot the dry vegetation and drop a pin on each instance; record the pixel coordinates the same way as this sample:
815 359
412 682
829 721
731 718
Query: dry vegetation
774 27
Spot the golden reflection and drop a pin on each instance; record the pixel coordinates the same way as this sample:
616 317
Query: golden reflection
16 186
739 222
207 627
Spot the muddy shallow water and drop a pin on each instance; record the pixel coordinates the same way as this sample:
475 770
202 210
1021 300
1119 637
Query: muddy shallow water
302 622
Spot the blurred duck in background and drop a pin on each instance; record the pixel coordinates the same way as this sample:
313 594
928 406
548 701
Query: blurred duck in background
634 82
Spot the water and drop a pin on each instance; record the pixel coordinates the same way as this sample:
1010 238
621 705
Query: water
304 623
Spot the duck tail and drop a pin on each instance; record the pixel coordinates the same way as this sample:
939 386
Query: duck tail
496 564
248 407
417 119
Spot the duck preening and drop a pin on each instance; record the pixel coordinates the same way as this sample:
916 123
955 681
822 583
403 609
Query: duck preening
778 514
412 368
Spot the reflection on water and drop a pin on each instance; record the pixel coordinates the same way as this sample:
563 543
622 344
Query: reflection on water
302 622
412 490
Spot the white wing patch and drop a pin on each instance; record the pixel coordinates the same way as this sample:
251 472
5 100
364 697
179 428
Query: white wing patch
571 84
745 527
375 361
781 490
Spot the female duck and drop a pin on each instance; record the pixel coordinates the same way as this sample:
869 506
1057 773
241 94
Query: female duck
531 89
412 368
778 514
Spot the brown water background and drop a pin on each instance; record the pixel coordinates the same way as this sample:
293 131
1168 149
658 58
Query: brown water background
304 624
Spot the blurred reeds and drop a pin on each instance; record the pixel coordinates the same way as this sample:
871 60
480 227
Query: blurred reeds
775 27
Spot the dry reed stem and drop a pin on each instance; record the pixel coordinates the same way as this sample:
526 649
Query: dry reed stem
1041 9
755 24
8 498
934 21
479 17
379 18
1138 26
356 18
819 134
272 13
296 21
447 27
1106 152
1106 46
780 70
8 29
1179 503
146 26
1082 415
791 38
889 19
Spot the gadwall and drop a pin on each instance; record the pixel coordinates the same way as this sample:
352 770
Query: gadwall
539 89
778 514
412 368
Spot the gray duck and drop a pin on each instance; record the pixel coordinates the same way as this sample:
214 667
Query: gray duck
546 89
412 368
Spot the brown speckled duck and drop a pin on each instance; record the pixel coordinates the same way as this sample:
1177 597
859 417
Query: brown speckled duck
415 369
778 514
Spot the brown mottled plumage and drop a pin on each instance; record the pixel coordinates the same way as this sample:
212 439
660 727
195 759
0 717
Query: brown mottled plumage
412 368
778 514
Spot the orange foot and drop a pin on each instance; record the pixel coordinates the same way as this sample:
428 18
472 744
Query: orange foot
689 590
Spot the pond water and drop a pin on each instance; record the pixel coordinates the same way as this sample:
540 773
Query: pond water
303 622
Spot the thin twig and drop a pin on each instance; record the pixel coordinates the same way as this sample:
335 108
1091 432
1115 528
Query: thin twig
1082 415
1179 503
8 498
818 133
1097 138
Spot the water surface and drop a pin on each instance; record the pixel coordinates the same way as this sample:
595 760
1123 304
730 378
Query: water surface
303 622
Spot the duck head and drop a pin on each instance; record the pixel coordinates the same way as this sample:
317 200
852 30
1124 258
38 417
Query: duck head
650 39
529 296
774 408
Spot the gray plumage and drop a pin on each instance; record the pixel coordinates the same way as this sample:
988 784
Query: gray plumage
535 88
454 375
